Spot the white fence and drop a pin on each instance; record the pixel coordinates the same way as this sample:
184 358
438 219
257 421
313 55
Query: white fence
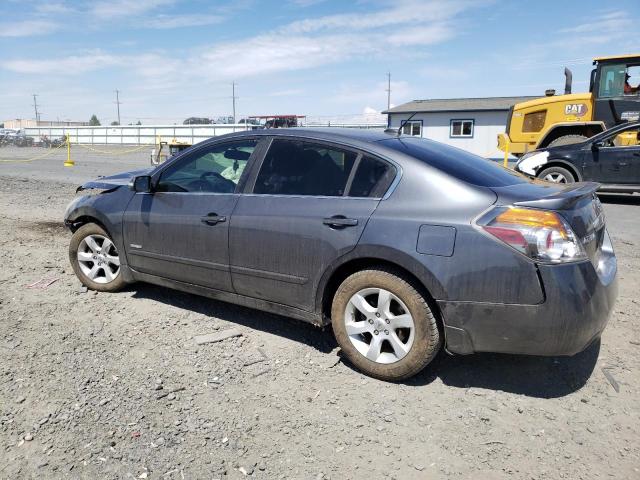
150 134
135 134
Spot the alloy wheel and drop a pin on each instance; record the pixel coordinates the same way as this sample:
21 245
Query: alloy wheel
379 325
98 258
555 177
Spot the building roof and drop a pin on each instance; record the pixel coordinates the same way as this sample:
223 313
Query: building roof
458 104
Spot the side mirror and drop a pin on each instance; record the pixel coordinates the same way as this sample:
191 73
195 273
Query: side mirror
597 145
141 184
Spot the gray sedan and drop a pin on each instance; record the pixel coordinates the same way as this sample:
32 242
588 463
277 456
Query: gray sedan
403 245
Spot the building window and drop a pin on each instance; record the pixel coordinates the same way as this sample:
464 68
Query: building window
461 129
413 128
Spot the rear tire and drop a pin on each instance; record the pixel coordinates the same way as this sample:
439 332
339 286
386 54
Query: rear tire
396 336
556 175
567 140
95 259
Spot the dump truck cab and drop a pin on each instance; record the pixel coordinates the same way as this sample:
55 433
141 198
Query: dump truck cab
166 150
613 98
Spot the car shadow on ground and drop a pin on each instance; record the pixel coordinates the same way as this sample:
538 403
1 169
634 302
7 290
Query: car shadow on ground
619 199
541 377
298 331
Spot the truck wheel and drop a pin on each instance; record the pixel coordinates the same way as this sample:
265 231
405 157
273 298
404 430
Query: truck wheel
556 175
567 140
384 325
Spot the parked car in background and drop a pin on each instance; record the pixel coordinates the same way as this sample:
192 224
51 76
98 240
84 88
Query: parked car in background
611 158
17 138
197 121
402 244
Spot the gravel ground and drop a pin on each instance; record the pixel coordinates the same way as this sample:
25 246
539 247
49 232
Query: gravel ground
114 385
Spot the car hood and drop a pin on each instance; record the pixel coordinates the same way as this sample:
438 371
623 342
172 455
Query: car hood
114 181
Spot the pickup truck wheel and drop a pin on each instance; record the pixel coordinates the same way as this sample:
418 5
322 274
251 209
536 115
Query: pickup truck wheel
384 325
556 175
95 259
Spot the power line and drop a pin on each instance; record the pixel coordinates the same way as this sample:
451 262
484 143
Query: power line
388 90
118 102
233 96
35 106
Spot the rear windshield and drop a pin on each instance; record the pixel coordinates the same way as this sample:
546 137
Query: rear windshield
455 162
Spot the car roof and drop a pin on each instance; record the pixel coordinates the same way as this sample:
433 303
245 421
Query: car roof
452 161
326 133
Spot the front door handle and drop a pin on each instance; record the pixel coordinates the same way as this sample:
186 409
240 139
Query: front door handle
622 164
340 221
213 219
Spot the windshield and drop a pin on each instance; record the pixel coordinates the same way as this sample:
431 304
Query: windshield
457 163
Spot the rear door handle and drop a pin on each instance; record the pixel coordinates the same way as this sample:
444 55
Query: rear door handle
213 219
340 221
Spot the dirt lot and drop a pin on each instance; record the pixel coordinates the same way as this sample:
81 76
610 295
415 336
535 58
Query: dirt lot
114 386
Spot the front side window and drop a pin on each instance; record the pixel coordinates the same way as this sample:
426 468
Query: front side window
612 79
412 128
626 138
293 167
461 128
216 169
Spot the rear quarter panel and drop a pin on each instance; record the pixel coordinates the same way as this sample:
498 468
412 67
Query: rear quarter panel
480 269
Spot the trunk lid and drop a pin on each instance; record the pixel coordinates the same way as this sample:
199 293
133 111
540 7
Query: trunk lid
577 203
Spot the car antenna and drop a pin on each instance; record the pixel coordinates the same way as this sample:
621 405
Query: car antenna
404 122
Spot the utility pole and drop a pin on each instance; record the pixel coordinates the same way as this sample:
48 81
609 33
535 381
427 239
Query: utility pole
35 106
388 90
118 104
233 96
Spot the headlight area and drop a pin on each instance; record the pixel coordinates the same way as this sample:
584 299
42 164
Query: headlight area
542 235
530 162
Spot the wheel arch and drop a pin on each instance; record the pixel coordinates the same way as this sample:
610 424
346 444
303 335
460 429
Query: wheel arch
422 280
588 129
81 220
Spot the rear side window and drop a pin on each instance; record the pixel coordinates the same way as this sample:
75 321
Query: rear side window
372 178
304 168
459 164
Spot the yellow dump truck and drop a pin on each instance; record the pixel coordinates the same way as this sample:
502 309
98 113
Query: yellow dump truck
613 98
165 150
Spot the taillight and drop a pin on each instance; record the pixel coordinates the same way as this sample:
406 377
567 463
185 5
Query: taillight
542 235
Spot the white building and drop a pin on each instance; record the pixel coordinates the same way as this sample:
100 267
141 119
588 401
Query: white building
472 124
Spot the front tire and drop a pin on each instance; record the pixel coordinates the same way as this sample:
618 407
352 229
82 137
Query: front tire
556 175
95 259
384 325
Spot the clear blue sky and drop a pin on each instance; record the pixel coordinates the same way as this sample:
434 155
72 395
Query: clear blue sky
176 58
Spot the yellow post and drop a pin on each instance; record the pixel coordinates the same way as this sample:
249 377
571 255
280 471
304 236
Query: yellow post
506 154
69 162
